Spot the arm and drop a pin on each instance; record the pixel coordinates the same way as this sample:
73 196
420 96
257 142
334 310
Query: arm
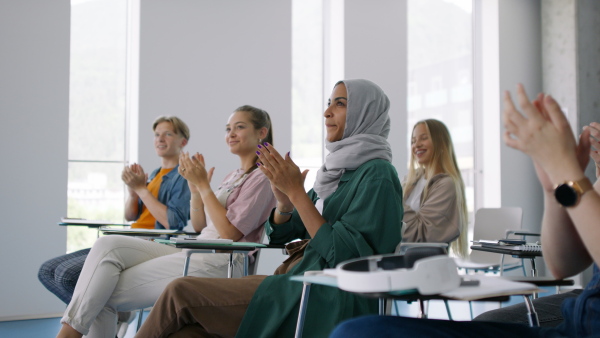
156 208
131 176
131 206
197 175
281 233
569 255
197 214
438 218
288 187
135 179
545 135
364 215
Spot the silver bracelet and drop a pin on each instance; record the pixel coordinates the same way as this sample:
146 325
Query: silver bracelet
285 213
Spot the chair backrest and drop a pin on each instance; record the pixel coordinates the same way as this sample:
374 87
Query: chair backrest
404 246
492 224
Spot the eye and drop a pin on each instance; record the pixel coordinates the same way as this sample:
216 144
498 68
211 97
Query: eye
227 130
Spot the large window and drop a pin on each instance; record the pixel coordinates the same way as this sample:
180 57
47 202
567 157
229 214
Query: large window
97 115
440 74
307 86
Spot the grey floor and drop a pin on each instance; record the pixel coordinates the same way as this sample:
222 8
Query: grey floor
43 328
47 328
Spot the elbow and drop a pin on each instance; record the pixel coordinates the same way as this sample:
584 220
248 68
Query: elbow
198 228
234 236
557 272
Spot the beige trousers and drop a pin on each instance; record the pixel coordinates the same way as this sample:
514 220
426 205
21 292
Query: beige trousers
201 307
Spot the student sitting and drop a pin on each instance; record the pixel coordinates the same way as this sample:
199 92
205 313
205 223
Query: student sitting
161 203
435 208
124 273
570 231
353 210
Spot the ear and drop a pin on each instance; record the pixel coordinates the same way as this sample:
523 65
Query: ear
263 132
184 142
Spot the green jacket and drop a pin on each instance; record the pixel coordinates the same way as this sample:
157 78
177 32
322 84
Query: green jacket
364 218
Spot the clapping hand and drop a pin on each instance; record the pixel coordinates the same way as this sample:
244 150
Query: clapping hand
193 169
283 173
542 131
134 177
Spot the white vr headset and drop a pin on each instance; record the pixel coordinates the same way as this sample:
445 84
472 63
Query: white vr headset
385 273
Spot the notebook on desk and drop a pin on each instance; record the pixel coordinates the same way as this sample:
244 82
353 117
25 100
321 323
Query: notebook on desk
511 245
140 231
83 221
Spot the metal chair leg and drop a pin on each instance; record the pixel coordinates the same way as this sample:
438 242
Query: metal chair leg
140 318
230 269
471 309
531 314
186 264
422 312
448 309
302 311
382 307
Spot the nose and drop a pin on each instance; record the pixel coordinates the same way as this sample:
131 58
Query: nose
327 112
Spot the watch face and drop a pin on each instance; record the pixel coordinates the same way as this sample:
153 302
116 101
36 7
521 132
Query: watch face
565 195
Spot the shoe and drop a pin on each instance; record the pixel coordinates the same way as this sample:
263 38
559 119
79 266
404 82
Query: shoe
123 321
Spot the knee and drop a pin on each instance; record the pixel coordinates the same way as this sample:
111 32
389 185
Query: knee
511 314
67 274
110 243
176 284
356 327
47 269
181 286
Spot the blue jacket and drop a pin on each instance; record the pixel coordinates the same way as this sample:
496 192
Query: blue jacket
175 194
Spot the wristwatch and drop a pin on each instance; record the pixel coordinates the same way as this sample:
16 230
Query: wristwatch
569 193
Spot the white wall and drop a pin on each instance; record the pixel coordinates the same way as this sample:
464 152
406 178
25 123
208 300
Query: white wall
375 49
34 105
202 59
520 62
588 75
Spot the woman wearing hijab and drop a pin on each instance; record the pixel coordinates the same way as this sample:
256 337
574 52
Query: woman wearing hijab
354 210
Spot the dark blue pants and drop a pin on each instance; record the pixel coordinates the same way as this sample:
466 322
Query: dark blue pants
59 275
388 326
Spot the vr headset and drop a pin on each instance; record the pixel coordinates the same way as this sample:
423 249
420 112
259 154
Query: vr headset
427 269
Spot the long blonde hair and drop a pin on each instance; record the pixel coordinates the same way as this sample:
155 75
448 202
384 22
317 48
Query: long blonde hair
443 160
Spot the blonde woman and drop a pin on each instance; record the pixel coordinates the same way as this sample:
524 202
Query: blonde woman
435 209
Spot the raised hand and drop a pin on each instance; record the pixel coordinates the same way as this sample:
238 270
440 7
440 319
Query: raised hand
134 177
284 174
193 169
541 131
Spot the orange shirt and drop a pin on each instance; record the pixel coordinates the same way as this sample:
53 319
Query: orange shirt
146 220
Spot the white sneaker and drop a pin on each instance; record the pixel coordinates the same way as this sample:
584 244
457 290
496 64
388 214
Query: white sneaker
125 318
